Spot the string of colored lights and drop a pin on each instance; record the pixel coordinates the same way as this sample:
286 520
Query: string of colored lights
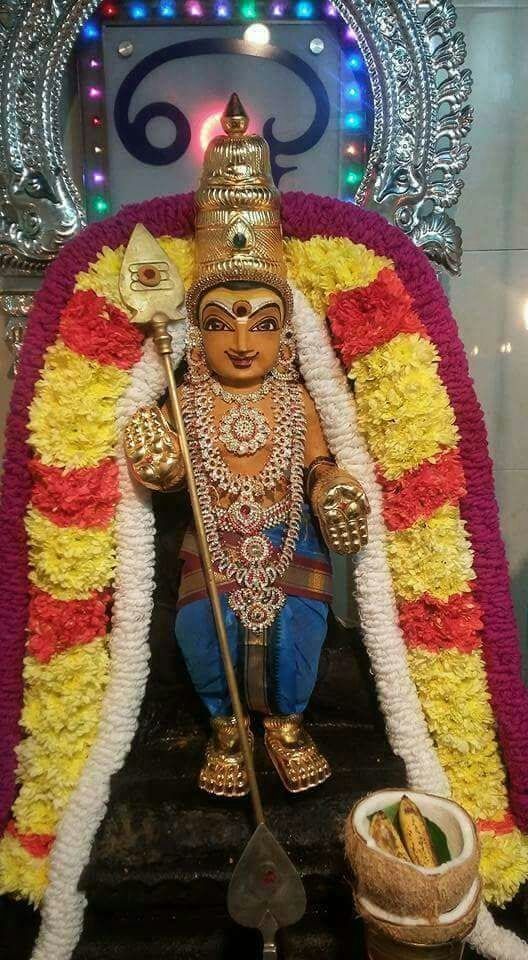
355 106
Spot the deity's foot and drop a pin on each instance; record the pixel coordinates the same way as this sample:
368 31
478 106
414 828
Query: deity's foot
224 772
295 756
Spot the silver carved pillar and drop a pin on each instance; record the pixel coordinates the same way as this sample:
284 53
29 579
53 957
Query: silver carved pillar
15 308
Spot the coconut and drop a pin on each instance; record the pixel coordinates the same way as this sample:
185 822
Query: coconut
406 889
453 925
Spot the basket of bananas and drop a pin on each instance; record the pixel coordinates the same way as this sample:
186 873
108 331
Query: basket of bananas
415 861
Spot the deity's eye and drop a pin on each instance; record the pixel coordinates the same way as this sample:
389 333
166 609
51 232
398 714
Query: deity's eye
214 323
267 323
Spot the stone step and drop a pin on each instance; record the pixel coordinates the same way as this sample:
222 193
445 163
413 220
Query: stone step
329 931
164 841
207 934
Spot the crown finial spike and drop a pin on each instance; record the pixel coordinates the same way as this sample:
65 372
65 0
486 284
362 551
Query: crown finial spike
235 119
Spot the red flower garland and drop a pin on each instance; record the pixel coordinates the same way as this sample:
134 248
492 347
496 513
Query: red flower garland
96 328
442 625
85 497
366 317
37 844
419 492
56 625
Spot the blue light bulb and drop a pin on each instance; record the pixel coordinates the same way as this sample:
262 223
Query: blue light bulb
91 30
167 10
354 62
304 10
138 11
353 121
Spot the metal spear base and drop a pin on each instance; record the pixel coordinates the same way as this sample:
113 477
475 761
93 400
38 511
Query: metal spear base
265 891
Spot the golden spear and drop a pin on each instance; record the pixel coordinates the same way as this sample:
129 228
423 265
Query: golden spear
265 891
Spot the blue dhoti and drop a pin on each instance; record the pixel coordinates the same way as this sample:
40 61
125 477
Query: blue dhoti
293 642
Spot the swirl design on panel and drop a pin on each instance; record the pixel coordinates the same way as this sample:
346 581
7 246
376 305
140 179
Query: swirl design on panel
133 133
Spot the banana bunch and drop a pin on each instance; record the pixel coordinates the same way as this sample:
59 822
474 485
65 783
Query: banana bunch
412 842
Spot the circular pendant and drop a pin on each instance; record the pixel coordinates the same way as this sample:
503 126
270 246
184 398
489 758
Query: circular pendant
244 430
245 515
255 549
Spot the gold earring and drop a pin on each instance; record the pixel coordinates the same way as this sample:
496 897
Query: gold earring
286 367
195 355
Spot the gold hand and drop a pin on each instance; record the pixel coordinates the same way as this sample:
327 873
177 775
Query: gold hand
341 506
152 450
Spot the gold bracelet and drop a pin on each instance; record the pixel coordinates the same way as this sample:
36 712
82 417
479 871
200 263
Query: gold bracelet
311 469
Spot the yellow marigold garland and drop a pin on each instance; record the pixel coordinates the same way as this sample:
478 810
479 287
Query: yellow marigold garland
72 419
463 726
20 872
322 265
503 865
69 562
61 717
432 556
403 407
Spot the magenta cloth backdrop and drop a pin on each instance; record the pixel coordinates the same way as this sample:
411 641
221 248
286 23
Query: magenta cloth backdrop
303 216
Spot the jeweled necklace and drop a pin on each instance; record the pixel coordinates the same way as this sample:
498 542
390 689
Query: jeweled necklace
243 430
255 565
239 398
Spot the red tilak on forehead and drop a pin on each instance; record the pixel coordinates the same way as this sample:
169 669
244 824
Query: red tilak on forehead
241 308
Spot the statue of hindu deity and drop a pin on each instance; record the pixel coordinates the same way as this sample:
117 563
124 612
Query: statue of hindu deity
273 500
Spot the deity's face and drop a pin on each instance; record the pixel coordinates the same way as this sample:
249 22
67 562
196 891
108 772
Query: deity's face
241 331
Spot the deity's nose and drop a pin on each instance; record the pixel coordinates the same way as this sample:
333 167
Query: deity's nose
241 336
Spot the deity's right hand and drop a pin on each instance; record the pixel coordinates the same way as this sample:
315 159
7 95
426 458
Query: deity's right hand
153 450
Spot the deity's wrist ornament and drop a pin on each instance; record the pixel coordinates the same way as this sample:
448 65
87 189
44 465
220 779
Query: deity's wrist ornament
316 468
152 450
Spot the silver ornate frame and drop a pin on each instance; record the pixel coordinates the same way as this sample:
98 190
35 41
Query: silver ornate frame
415 63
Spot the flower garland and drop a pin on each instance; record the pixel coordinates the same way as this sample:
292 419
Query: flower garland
70 562
63 904
307 215
383 636
72 550
424 493
406 419
173 217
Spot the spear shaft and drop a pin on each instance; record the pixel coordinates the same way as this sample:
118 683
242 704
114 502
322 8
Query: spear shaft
162 340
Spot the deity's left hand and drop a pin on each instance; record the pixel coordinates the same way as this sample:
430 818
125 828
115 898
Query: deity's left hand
341 506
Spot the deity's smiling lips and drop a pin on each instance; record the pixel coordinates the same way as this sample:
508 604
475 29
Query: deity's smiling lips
242 360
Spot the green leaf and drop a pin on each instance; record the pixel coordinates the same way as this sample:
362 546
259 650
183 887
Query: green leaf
439 841
392 812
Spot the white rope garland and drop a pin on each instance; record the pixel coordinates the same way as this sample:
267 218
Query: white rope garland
63 905
406 726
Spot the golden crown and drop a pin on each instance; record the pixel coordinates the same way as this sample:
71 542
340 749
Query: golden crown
238 229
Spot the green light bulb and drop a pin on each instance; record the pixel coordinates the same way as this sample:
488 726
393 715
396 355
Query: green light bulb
248 10
353 177
101 205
